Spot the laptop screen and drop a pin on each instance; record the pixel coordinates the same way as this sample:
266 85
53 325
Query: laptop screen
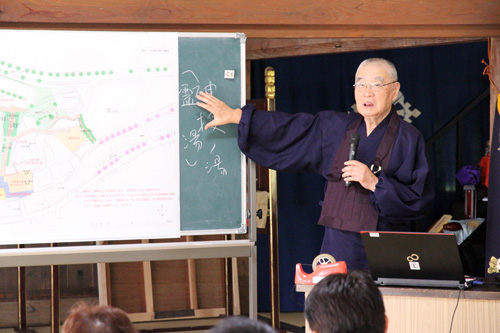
414 259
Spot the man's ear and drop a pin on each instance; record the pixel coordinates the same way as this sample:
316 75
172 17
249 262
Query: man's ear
397 87
386 323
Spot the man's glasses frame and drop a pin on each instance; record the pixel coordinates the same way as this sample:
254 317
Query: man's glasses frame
376 86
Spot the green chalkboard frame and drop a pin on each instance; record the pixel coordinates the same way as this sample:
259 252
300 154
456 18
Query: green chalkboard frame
212 168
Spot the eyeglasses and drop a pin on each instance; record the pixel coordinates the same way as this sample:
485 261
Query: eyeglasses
376 86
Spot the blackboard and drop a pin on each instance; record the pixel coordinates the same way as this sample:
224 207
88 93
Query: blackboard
212 170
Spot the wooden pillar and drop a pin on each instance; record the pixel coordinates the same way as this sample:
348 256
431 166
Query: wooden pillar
21 296
54 297
269 77
228 273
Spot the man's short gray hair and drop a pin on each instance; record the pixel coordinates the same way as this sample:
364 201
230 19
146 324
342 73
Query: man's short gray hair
391 69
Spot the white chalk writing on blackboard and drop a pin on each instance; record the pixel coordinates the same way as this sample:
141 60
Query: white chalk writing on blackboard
217 163
189 93
194 140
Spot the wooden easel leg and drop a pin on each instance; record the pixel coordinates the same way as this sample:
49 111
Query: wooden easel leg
235 285
193 292
148 286
103 281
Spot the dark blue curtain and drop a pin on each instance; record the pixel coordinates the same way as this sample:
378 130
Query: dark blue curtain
438 82
493 228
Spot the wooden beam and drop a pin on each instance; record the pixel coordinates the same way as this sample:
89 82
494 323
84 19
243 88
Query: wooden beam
260 48
197 313
285 31
264 19
258 12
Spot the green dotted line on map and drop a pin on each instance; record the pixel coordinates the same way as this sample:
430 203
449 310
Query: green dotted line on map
8 93
39 120
69 74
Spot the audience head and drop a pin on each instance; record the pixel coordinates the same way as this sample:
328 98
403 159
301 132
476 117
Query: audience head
346 303
241 325
97 319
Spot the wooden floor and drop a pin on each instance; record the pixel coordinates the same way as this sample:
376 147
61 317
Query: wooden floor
291 322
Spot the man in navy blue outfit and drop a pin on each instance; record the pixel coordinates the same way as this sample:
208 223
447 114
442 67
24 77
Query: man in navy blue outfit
390 178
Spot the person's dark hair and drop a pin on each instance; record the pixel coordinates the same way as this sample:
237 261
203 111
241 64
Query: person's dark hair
239 324
99 319
346 303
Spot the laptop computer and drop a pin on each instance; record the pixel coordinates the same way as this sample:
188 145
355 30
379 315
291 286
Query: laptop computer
414 259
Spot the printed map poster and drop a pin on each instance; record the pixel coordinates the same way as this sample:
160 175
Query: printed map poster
89 136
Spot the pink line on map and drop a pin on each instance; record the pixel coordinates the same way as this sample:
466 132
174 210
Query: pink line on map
127 152
119 132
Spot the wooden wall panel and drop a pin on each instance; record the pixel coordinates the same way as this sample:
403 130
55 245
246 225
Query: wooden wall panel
78 280
127 286
270 19
170 285
38 282
210 282
8 284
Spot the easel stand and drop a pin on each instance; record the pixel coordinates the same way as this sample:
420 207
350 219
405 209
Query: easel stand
127 253
144 252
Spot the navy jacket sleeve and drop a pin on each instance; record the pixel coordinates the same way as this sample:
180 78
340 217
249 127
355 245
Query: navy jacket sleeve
405 190
299 142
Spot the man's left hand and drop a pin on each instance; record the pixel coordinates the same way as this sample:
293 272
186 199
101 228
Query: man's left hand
359 172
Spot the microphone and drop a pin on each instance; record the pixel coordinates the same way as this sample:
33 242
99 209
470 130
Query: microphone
353 148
